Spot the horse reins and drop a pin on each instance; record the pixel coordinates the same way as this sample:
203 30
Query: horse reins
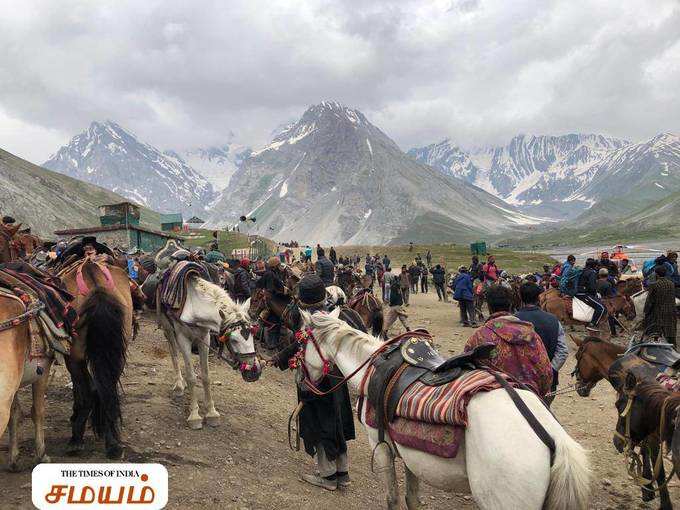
635 463
309 336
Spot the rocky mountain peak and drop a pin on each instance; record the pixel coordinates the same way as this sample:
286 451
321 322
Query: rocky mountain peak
112 157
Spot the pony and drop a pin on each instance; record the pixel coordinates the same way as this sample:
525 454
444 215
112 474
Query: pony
371 311
647 418
98 350
593 359
552 301
27 243
8 245
489 463
207 308
17 369
629 287
597 359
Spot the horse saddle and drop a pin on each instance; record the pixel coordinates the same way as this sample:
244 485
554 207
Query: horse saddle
657 354
413 359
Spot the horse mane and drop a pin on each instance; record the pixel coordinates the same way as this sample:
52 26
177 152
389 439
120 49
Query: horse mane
233 312
652 397
338 330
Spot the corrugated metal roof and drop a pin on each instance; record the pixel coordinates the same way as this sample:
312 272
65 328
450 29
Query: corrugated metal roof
111 228
171 218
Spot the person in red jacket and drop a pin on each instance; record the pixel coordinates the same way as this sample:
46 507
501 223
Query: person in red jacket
490 271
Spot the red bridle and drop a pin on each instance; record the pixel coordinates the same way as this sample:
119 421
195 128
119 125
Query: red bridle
305 337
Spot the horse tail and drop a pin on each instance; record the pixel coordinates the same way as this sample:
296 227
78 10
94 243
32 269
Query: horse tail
105 347
570 475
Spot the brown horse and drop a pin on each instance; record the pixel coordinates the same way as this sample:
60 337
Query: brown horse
18 369
629 287
370 310
284 311
647 418
98 351
552 301
8 246
593 359
27 243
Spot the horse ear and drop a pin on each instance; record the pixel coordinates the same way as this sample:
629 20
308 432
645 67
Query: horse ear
576 340
630 382
245 306
335 313
306 317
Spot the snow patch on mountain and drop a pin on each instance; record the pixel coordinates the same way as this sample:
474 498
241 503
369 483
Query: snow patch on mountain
114 158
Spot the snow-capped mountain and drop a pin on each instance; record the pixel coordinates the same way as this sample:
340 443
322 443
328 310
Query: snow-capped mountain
539 174
333 177
635 176
217 164
112 157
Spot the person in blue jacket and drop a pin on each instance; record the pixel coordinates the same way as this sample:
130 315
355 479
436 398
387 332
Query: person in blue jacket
462 292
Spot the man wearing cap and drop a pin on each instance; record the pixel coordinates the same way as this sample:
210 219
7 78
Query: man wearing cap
326 423
242 281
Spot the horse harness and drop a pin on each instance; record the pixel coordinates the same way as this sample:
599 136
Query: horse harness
635 463
32 310
412 359
401 361
664 358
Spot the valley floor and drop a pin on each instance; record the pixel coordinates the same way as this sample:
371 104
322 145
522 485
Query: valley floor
245 462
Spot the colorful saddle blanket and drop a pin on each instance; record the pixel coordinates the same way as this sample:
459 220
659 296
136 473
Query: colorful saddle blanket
32 284
433 418
433 438
173 285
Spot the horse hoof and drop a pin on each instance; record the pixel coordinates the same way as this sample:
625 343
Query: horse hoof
178 391
213 421
75 447
195 424
45 459
13 467
648 496
114 453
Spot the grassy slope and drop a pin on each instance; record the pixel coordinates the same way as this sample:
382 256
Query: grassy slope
228 241
650 223
452 255
47 200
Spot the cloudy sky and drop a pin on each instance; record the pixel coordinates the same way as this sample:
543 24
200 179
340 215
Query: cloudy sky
183 74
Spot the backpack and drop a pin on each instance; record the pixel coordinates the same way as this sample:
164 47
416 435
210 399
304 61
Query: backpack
648 267
569 281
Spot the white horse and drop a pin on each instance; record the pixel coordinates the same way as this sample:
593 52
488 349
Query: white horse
208 308
502 462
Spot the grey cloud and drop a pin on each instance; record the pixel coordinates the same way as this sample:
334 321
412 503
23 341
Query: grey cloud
479 71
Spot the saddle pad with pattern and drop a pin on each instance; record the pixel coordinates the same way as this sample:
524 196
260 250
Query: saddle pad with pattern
21 278
173 286
446 404
433 438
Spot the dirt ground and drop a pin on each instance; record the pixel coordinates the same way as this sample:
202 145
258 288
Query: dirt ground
245 462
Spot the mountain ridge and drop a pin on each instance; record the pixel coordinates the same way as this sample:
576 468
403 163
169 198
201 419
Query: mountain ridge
112 157
334 177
